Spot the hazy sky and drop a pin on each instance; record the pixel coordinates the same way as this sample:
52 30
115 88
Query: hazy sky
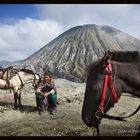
25 28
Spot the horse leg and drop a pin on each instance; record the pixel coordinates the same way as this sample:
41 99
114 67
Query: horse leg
19 101
37 102
15 98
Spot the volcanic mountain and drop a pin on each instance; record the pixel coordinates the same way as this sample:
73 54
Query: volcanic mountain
68 55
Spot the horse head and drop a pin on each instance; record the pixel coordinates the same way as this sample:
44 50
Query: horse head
36 81
93 94
107 78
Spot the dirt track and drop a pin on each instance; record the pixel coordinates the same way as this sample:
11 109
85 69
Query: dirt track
67 121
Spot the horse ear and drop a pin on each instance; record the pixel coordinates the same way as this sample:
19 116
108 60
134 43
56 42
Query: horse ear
106 58
105 53
109 53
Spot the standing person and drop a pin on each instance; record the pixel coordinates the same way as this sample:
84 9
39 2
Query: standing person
48 88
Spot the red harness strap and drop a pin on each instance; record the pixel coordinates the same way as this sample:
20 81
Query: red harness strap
108 82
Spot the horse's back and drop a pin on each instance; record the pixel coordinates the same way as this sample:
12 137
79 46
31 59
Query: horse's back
126 56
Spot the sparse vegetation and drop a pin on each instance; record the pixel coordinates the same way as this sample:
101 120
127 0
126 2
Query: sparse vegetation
67 121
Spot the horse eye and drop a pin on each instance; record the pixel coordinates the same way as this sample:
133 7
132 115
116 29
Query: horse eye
97 67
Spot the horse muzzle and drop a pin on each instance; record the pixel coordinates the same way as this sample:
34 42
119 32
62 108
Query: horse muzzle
91 123
87 122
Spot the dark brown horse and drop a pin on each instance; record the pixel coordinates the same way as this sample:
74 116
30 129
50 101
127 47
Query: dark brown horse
125 78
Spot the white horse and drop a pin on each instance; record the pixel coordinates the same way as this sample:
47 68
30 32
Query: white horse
16 83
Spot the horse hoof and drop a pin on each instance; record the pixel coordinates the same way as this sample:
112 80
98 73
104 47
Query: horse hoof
15 107
21 107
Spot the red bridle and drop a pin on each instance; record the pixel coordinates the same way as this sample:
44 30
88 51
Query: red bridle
107 82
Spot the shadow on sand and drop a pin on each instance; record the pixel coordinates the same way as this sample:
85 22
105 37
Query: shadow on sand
9 106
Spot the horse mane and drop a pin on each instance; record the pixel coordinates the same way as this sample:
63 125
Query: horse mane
27 71
8 68
126 56
119 56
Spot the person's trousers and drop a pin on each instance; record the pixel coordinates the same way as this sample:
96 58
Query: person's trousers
52 101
